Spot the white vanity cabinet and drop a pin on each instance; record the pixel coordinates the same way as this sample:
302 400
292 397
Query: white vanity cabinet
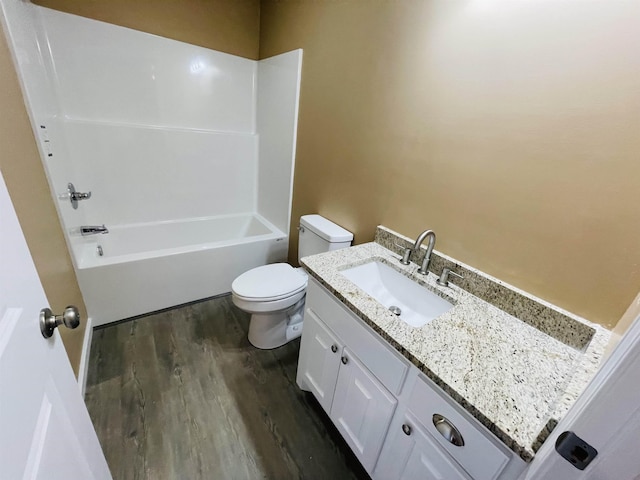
396 421
357 402
361 410
432 434
319 360
410 454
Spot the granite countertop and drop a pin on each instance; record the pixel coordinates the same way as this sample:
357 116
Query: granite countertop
512 377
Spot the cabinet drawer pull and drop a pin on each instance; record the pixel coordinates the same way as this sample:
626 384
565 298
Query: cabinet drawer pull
406 429
334 348
448 430
345 360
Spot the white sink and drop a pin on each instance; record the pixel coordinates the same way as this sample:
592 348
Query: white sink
392 289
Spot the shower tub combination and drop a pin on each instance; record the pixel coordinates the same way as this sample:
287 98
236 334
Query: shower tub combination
136 269
188 153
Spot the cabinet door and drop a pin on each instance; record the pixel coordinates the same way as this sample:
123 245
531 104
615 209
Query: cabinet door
319 360
362 409
411 454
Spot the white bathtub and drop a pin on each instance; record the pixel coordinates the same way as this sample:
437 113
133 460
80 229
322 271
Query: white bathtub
148 267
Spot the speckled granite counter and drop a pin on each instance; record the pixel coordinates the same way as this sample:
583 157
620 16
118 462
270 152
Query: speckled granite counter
512 377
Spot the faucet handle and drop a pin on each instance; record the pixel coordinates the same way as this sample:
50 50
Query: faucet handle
75 196
406 253
444 277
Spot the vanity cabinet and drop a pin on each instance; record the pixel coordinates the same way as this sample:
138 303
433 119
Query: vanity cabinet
398 423
410 453
357 403
432 435
319 360
362 409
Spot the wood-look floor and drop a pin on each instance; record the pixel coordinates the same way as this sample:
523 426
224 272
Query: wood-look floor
181 394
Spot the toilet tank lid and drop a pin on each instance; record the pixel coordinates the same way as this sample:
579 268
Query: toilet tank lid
325 228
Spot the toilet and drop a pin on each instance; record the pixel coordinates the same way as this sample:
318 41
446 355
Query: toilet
274 294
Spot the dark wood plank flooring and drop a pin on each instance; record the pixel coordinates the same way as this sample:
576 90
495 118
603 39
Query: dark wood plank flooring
181 394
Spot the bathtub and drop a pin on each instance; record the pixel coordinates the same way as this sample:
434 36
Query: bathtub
137 269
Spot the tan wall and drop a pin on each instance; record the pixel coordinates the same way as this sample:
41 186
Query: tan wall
625 322
24 175
510 128
230 26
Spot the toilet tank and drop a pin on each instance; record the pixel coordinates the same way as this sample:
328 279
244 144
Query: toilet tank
317 235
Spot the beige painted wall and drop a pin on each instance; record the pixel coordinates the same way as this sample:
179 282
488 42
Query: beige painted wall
625 322
511 128
25 178
230 26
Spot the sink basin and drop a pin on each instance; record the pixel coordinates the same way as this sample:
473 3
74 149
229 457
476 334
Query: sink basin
413 303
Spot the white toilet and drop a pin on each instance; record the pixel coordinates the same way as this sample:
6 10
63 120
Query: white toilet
274 294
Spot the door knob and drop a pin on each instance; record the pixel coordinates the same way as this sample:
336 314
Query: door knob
345 360
48 321
334 348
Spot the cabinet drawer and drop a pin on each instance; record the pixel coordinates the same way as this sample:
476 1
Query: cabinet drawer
481 455
411 454
385 363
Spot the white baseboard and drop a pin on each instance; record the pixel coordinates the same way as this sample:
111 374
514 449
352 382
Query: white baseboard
84 358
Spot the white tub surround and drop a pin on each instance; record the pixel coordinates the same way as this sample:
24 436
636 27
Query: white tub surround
513 378
172 140
278 94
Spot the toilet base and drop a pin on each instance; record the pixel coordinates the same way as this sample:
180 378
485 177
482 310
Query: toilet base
272 330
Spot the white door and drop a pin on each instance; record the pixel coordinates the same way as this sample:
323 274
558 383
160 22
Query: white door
319 360
45 429
362 409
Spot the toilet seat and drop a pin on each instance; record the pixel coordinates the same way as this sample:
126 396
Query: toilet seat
269 283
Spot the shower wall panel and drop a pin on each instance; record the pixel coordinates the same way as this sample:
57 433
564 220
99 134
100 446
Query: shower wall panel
110 73
156 129
141 174
277 121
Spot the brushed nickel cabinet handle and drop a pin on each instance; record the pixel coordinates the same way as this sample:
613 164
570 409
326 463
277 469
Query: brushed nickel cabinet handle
345 360
448 430
334 348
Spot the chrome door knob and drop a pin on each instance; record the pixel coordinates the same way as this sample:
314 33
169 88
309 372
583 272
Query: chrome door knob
48 321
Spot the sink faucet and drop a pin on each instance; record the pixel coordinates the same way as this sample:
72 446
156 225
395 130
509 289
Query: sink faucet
427 256
416 247
93 229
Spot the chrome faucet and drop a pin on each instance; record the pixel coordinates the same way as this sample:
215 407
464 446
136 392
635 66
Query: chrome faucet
424 269
93 229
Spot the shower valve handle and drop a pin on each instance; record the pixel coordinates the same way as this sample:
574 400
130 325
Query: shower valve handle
74 196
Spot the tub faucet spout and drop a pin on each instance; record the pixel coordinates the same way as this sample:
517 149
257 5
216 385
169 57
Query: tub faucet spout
424 269
93 229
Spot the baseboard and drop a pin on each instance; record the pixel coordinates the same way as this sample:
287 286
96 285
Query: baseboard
84 358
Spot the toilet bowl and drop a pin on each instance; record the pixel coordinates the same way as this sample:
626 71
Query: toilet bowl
274 294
